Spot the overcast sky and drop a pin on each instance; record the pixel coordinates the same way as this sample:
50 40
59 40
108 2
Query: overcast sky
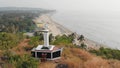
64 4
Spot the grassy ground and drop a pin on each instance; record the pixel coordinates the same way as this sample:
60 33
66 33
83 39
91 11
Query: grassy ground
72 57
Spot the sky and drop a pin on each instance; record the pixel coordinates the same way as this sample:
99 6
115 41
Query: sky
65 4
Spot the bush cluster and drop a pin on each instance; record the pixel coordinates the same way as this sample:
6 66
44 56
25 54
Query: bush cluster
107 53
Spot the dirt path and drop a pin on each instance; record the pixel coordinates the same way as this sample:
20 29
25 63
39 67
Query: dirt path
20 49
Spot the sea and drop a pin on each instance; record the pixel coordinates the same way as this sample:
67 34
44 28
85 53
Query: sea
100 26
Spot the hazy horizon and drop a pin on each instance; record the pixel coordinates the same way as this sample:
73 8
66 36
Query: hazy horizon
65 5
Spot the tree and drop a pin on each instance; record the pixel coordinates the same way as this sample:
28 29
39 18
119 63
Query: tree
51 38
83 46
81 38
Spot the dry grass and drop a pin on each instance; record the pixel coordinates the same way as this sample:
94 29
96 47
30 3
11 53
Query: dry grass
20 48
47 65
82 54
74 58
96 63
114 63
77 58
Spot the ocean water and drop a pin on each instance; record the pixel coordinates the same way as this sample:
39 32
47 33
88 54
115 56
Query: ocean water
100 26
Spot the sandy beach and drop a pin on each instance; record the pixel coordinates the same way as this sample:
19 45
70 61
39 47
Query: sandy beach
57 29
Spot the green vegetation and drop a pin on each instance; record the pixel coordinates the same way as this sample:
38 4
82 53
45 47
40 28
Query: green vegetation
17 61
81 38
9 50
107 53
14 46
24 61
9 40
51 38
16 22
63 40
104 52
83 46
15 56
36 40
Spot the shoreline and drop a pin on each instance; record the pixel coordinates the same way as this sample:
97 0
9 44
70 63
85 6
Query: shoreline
54 27
58 29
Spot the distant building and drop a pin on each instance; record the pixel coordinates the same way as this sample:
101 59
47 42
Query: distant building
46 51
40 25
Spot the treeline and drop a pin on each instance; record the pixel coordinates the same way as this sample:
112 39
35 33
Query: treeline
14 21
24 10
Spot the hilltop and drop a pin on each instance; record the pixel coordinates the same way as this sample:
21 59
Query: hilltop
19 56
78 52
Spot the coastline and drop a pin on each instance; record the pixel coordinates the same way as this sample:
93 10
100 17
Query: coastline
58 29
55 28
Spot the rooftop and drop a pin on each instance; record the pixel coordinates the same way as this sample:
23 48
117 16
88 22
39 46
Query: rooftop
41 47
46 49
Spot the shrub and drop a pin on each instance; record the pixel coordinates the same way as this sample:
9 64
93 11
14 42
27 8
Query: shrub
9 40
83 46
81 38
25 61
107 53
63 40
35 41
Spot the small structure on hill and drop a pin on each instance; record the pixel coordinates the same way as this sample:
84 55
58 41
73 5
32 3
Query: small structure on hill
46 51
